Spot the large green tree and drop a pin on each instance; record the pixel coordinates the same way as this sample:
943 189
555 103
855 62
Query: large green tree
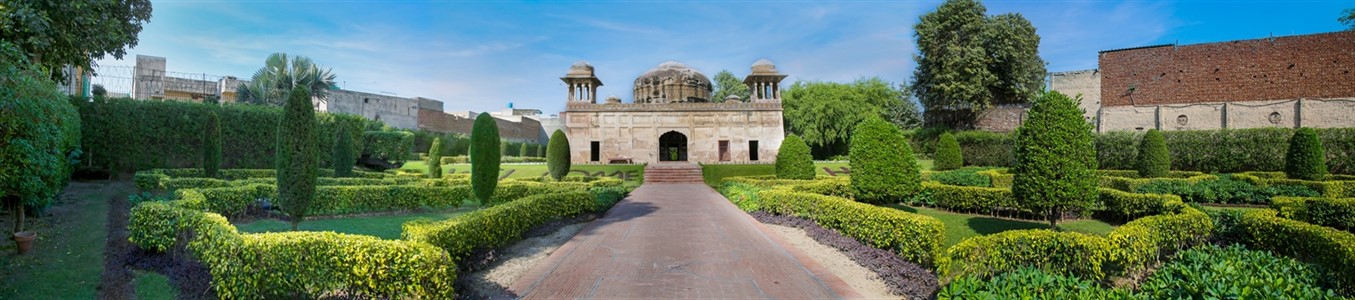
72 32
824 113
297 163
484 157
967 61
1055 159
727 84
280 74
39 135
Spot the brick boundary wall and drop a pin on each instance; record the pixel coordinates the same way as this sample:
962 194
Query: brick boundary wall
1279 68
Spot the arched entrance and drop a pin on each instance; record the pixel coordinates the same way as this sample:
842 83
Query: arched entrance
672 146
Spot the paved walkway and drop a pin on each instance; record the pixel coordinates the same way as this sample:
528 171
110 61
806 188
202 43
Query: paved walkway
678 241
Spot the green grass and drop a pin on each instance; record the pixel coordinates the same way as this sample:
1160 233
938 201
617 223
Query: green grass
386 227
961 226
534 170
716 172
151 285
67 257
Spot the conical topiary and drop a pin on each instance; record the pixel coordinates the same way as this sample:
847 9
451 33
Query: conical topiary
1306 159
948 156
1153 159
793 160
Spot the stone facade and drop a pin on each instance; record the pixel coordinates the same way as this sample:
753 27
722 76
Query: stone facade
1084 83
674 129
1316 113
398 112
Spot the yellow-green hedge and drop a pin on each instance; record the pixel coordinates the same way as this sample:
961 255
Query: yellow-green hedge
1329 188
1147 240
1327 247
1338 213
329 200
1055 252
294 264
971 198
170 179
1130 184
498 225
1131 205
998 178
915 238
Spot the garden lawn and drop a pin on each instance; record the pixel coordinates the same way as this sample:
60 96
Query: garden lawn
386 227
716 172
961 226
67 258
151 285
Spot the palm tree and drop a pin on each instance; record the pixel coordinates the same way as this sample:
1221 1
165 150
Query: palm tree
275 80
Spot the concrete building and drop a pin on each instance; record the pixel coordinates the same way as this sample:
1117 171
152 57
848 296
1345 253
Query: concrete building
671 118
1292 81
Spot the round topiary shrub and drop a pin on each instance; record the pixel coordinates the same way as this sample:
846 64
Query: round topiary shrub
1306 159
948 156
557 155
297 163
343 155
435 159
484 157
1055 169
883 167
211 145
1153 159
793 160
39 134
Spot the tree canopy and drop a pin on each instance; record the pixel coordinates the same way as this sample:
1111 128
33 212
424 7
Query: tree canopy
969 61
727 84
72 32
272 83
1348 18
824 113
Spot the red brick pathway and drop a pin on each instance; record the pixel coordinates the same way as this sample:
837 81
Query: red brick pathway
678 241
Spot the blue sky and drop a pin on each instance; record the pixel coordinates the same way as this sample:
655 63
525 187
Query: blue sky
480 55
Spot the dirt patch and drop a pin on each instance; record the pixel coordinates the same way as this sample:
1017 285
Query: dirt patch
860 278
509 264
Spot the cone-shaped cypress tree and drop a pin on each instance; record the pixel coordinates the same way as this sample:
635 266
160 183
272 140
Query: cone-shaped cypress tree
1153 160
1306 159
1055 160
297 163
557 155
948 155
793 160
343 155
435 159
484 157
211 145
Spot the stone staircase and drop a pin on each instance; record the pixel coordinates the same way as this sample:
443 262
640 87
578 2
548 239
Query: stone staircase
673 173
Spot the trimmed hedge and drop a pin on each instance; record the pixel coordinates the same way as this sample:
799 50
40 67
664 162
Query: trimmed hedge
1153 159
1305 159
1129 206
883 167
1332 249
135 135
915 238
1055 252
1147 240
294 264
1329 189
1117 150
498 225
982 148
948 156
1337 213
1129 184
557 155
973 199
793 160
389 145
1029 283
